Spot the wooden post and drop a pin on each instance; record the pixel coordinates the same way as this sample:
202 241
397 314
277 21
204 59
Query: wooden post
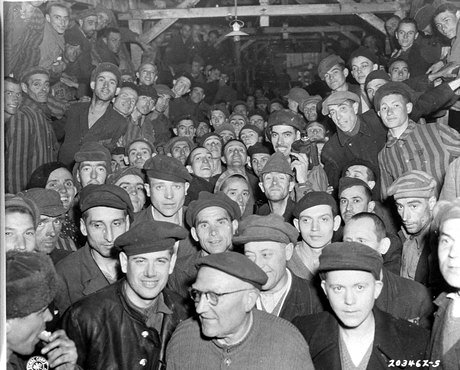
136 50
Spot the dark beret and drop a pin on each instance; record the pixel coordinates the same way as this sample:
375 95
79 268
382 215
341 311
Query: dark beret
186 117
348 182
40 176
258 112
265 148
277 162
392 88
201 140
150 236
106 67
105 195
377 75
363 52
143 90
199 84
252 128
93 151
205 200
169 145
337 98
48 201
130 170
166 168
286 117
315 198
237 265
33 71
28 205
351 256
255 228
361 162
239 102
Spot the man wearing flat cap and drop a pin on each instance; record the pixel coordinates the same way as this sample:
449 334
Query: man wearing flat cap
128 324
356 136
107 212
357 334
95 120
415 196
410 146
31 285
229 332
268 241
213 220
93 163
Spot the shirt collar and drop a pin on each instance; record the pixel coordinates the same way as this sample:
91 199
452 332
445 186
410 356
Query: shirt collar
391 140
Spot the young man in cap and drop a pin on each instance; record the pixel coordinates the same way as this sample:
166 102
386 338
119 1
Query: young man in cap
355 136
131 179
259 154
359 334
95 120
199 164
138 152
250 135
229 331
185 126
31 285
93 163
334 72
430 147
126 99
129 323
147 73
295 97
238 121
309 108
218 115
268 241
400 297
179 147
213 220
107 213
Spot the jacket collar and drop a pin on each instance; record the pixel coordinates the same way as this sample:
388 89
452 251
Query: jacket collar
363 129
391 140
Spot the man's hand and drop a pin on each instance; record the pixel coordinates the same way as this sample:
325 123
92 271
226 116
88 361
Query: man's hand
61 351
300 165
435 67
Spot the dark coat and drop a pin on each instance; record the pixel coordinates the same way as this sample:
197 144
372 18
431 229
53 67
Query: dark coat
394 339
110 334
288 215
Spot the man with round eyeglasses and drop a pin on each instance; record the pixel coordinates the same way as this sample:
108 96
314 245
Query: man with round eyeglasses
225 293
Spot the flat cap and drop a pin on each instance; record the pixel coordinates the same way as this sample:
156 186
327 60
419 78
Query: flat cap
205 200
176 139
186 117
257 148
202 140
28 205
106 67
225 127
314 99
286 117
237 265
105 195
33 71
143 90
122 172
363 52
164 90
93 151
258 112
220 107
239 102
149 236
348 182
377 75
277 162
413 184
337 98
423 16
166 168
251 128
48 201
351 256
389 88
313 199
89 12
224 176
327 63
73 38
255 228
297 94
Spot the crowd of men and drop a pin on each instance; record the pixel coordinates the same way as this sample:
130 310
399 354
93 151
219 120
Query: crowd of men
154 220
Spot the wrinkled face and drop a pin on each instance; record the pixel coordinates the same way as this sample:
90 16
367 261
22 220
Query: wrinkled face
358 172
258 161
180 150
217 118
394 111
257 121
88 25
114 42
148 74
102 225
47 234
276 185
226 319
317 225
241 110
352 201
449 251
147 275
145 104
37 87
61 180
415 213
360 68
399 71
316 132
351 295
344 115
406 35
12 97
214 230
282 137
214 145
271 257
201 163
72 52
162 103
237 189
92 172
22 334
446 23
102 21
58 18
336 77
227 135
235 154
237 121
105 86
181 86
19 232
197 95
362 231
310 112
125 102
202 129
134 186
373 86
167 196
138 153
249 137
186 128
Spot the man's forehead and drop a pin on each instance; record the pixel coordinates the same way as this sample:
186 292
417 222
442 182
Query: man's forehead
200 151
358 168
39 76
360 60
336 67
11 86
320 209
185 122
127 91
139 145
235 145
107 75
353 191
211 212
283 128
180 145
404 201
92 163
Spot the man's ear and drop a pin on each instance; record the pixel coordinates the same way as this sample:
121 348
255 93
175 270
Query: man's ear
83 229
223 160
295 221
189 168
432 202
175 131
297 135
346 72
375 67
80 22
235 226
104 39
371 184
323 286
186 185
289 251
409 107
117 91
261 186
137 74
126 160
337 222
24 87
92 84
172 263
147 189
378 288
123 261
291 185
385 244
194 234
370 206
356 107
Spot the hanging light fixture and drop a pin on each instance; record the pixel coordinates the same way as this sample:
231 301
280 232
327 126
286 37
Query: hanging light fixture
236 25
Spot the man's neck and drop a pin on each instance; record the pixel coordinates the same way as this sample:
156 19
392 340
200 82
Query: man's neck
242 332
344 87
175 218
363 331
278 207
281 284
398 131
105 263
136 115
98 104
216 166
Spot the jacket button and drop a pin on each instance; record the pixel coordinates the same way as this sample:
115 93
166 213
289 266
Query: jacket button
145 333
143 362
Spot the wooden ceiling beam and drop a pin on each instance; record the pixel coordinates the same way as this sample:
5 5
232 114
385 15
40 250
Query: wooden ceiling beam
278 30
347 33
